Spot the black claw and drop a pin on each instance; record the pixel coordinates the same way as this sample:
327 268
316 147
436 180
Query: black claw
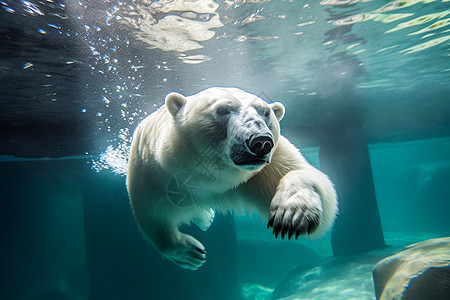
309 228
277 227
276 232
300 230
290 234
298 222
200 250
283 232
313 226
270 223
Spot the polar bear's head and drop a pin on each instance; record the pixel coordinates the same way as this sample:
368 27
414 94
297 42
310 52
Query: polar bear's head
229 124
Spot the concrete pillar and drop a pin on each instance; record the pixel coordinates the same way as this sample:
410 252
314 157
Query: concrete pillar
344 157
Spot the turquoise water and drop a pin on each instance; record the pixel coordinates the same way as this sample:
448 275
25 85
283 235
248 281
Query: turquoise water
366 85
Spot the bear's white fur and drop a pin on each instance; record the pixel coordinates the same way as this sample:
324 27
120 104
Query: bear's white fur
222 150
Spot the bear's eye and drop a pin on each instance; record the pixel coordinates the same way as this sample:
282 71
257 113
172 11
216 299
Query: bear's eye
264 112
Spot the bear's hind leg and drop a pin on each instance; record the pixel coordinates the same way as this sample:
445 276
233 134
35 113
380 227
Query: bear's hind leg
186 252
182 249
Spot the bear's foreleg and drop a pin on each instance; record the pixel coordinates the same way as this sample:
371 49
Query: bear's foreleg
304 202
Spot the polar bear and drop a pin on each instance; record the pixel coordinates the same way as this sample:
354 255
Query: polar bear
218 151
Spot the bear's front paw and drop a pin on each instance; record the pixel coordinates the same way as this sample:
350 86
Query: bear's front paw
295 210
187 252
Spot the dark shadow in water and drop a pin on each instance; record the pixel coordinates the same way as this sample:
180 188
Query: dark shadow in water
41 229
122 265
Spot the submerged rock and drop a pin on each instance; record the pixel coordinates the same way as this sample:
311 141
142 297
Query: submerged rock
337 278
420 272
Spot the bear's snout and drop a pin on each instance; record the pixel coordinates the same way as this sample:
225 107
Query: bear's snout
254 152
260 145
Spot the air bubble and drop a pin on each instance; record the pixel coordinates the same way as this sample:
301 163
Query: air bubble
9 9
27 65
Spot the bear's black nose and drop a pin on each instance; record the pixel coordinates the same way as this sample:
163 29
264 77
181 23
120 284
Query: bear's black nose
260 145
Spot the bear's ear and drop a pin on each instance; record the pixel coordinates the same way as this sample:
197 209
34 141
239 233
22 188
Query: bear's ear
175 102
278 109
